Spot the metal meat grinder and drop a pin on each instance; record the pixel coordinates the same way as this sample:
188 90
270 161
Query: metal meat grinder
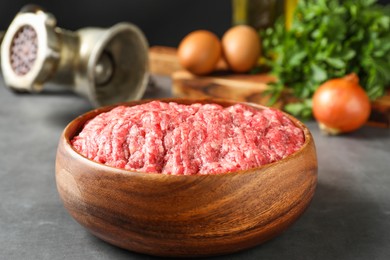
105 65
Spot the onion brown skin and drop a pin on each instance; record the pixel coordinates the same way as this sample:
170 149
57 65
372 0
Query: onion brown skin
341 105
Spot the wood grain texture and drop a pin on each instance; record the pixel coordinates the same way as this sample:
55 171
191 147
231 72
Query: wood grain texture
163 60
181 216
380 114
237 87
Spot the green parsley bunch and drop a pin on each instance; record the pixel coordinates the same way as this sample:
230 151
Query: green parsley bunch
329 39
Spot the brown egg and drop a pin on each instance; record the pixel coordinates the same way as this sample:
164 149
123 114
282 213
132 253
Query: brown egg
241 47
199 52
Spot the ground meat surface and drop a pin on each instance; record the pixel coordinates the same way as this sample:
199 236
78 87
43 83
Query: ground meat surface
171 138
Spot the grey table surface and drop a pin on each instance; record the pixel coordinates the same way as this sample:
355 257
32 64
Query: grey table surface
349 217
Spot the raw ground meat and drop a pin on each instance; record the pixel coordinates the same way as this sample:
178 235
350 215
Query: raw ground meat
171 138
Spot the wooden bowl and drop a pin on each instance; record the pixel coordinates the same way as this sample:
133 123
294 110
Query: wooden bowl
198 215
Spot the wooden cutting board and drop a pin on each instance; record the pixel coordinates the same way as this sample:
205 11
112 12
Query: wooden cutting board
239 87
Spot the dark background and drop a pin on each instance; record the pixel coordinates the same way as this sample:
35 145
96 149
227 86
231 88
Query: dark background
164 22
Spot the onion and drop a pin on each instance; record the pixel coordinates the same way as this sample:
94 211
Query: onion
341 105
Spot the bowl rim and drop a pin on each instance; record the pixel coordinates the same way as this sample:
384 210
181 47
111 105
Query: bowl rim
66 136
